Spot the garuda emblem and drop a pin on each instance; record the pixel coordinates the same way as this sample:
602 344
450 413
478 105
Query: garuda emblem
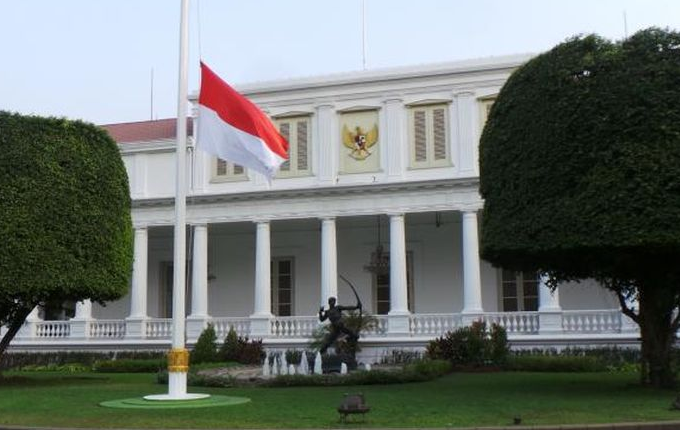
359 142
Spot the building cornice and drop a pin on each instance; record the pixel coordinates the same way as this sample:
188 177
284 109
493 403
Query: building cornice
306 193
384 75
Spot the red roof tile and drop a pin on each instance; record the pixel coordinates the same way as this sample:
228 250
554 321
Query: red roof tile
145 131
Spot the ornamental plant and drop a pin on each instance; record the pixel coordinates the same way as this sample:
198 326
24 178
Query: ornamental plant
580 175
64 216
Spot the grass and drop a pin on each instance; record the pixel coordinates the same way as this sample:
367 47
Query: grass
55 399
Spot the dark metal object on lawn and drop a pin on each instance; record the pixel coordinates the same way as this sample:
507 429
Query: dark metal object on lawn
353 404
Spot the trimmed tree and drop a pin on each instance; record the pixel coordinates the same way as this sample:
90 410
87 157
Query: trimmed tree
64 216
580 172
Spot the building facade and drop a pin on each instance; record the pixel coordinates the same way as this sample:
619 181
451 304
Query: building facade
381 187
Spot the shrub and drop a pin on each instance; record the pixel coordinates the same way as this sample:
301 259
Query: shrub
205 350
250 351
554 363
19 360
471 346
612 359
401 356
129 366
229 351
418 372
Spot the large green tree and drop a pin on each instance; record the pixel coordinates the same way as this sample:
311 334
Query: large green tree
65 226
580 172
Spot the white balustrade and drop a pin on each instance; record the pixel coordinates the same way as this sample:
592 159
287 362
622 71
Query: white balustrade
597 321
514 322
107 329
223 325
302 326
434 324
379 329
52 329
158 328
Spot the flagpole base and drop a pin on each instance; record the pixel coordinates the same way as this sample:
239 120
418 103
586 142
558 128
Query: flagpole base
177 389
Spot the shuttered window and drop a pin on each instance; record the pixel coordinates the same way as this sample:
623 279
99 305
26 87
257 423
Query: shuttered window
429 133
228 171
296 130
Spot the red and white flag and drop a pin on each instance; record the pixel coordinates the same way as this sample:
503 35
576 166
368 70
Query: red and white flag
232 128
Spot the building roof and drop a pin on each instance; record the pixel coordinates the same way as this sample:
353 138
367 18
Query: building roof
146 131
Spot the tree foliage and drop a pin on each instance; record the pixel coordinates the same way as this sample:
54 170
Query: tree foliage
580 172
64 216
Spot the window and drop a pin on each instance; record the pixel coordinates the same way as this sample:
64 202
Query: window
519 291
297 132
228 170
282 286
429 136
381 282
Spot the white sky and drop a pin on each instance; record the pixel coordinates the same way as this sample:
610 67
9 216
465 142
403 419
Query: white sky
92 59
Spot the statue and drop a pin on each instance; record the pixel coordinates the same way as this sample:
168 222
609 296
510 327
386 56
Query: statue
334 315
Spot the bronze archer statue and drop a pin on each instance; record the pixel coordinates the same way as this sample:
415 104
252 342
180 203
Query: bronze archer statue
334 315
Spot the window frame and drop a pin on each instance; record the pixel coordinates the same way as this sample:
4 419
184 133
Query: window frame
293 145
430 134
410 299
275 290
229 175
520 291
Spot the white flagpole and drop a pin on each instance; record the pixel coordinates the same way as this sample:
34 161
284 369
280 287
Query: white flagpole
178 357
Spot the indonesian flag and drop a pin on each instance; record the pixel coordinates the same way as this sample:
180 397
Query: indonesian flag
232 128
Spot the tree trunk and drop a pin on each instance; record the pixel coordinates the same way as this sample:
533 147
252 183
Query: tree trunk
656 313
13 329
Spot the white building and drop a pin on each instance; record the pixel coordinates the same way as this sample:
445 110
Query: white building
379 160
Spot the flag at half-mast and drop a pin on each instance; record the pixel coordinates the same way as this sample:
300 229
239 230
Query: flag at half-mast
232 128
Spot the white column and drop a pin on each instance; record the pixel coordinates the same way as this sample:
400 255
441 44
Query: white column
550 312
329 260
548 300
84 310
135 326
138 292
472 285
199 283
398 322
80 323
259 325
29 329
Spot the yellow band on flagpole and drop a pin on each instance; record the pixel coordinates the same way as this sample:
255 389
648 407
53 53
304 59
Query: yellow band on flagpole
178 360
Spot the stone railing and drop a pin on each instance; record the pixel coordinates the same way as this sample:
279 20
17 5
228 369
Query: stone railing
572 323
434 324
159 328
599 321
52 329
514 322
107 329
240 325
302 326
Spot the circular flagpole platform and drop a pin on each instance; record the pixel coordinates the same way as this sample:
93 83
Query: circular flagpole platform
204 402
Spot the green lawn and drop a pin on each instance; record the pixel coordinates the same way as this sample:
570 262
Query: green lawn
463 399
